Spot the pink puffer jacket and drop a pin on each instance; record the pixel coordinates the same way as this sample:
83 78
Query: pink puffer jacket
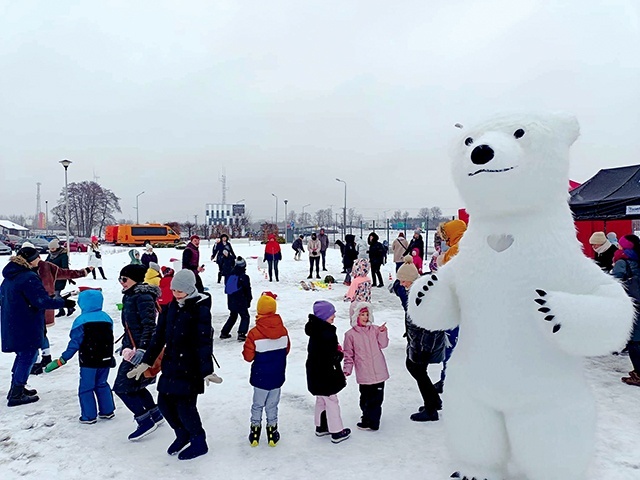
362 349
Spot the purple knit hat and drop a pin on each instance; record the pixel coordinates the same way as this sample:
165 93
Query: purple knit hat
323 309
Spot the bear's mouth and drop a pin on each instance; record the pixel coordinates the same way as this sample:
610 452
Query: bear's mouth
486 170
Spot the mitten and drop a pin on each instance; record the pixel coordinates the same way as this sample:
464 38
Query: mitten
137 357
68 303
137 372
51 366
212 378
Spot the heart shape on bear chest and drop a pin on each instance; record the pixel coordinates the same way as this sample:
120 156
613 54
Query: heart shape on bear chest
501 242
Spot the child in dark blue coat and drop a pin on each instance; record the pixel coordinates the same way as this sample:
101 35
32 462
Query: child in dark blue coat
92 337
238 290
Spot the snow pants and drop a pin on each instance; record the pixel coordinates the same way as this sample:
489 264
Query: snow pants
94 386
181 413
331 406
428 392
371 397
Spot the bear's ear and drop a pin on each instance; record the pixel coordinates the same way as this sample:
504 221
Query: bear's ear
567 126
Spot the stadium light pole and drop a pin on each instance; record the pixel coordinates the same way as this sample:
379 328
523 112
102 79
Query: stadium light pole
137 209
286 221
65 163
304 219
344 213
276 197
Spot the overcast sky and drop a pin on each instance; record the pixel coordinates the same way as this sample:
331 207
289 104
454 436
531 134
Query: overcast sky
285 96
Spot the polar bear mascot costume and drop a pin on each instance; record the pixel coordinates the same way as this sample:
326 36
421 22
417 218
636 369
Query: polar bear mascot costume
529 305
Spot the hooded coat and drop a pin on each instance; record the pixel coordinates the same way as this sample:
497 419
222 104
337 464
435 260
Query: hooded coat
49 274
360 288
416 243
186 334
240 298
152 277
60 259
324 373
452 232
376 250
267 346
134 260
23 301
272 249
91 333
350 251
363 349
399 247
148 257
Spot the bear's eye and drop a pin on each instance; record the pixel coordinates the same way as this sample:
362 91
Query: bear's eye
468 141
519 133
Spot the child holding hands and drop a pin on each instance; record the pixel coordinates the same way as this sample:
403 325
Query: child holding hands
324 374
363 345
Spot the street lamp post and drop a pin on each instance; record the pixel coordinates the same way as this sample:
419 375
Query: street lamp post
304 219
344 213
273 194
286 221
65 163
137 209
46 216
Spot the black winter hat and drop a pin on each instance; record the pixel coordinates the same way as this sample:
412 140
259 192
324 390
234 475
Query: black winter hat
240 262
28 253
134 272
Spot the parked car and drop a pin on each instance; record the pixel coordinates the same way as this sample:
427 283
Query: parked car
5 249
40 244
78 244
10 240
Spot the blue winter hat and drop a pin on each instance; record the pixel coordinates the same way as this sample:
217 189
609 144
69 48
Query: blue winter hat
323 309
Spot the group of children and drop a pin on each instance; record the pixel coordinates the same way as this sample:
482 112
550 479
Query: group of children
183 312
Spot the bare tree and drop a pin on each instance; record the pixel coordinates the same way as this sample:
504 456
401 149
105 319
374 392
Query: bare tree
424 215
91 207
175 226
436 214
188 227
292 216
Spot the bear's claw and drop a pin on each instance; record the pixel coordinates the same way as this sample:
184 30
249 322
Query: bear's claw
546 311
459 475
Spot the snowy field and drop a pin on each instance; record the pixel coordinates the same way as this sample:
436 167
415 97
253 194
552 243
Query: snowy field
45 440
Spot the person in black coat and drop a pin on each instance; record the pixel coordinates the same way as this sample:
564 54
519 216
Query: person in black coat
139 311
298 246
238 290
376 257
416 242
603 251
23 301
148 256
349 256
218 256
324 372
184 331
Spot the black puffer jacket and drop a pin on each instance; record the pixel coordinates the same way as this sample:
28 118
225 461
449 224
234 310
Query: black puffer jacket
139 317
376 250
186 334
324 372
350 251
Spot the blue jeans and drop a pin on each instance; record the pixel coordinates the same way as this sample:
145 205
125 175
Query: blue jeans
22 367
267 400
93 385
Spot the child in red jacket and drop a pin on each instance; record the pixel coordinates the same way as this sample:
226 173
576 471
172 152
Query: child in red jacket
267 346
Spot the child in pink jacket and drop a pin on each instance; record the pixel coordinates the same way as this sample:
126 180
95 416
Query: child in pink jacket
360 288
417 259
362 349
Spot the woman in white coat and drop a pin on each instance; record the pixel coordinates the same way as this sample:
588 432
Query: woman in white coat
95 257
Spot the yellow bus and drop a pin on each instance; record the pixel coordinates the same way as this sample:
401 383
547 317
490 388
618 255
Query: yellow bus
146 234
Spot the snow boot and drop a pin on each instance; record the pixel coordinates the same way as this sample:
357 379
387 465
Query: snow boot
181 441
87 421
18 397
439 386
156 416
425 416
273 435
363 425
242 337
106 416
61 313
224 336
197 447
310 276
340 436
70 311
29 392
145 426
323 429
254 435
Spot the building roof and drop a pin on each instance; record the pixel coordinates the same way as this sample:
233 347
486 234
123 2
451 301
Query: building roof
12 226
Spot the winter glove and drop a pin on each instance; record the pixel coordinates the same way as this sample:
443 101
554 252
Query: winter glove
68 303
137 357
137 371
212 378
51 366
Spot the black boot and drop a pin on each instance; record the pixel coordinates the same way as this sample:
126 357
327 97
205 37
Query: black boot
254 435
197 447
181 441
70 311
323 429
101 273
18 397
61 313
273 435
38 368
29 392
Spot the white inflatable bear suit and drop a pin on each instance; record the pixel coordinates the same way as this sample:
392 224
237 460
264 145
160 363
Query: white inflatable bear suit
529 305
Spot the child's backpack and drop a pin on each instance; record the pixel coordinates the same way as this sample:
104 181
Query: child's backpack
232 285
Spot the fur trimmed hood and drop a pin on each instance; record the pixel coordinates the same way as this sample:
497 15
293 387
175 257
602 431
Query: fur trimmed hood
356 311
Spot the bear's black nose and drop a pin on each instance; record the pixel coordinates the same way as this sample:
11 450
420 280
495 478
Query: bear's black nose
482 154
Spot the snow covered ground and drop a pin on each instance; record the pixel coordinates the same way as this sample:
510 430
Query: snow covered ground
45 440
